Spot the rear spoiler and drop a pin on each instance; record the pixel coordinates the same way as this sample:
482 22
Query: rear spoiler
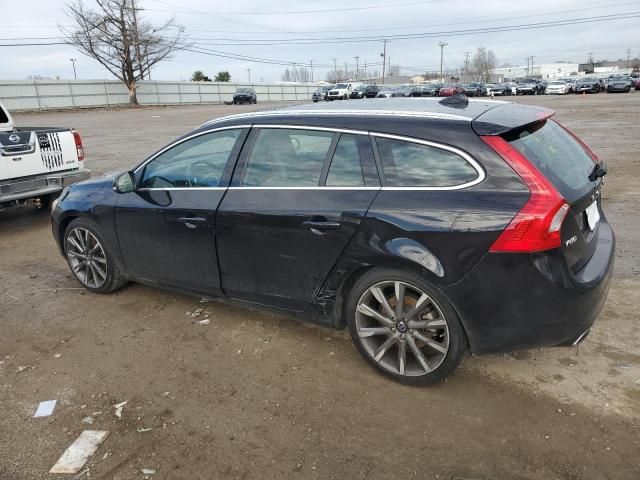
507 117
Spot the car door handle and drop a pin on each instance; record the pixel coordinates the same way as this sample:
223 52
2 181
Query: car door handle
321 225
192 219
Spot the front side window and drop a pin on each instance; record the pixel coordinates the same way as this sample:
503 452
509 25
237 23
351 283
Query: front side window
287 158
197 162
409 164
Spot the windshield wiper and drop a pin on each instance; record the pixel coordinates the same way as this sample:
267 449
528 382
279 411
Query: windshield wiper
599 170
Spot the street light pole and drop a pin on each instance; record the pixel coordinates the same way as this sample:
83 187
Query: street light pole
249 74
442 45
73 62
357 66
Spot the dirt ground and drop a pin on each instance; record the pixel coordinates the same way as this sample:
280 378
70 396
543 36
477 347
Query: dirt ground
259 396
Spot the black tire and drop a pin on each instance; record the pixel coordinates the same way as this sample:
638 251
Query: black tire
457 347
114 278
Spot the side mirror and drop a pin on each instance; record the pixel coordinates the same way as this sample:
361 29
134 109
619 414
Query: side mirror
124 183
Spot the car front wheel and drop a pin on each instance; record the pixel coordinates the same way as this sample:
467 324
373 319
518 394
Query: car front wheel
89 260
404 328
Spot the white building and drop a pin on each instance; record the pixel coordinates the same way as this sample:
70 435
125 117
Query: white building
543 71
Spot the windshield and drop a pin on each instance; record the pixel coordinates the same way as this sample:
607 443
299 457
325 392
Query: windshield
361 88
588 79
341 85
558 156
556 83
448 85
244 90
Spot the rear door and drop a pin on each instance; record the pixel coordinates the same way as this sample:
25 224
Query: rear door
296 199
166 227
565 162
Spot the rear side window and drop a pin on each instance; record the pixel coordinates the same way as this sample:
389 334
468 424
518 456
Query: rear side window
287 158
558 156
345 169
409 164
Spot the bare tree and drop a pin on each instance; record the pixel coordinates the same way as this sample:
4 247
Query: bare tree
483 62
124 44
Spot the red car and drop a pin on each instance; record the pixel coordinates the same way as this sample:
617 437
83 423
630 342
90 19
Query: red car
449 89
637 87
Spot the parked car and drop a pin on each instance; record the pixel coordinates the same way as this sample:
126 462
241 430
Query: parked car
588 85
36 163
386 91
359 92
637 84
244 95
472 89
449 89
341 91
529 86
372 91
482 231
402 91
503 89
557 87
618 84
321 93
571 84
429 89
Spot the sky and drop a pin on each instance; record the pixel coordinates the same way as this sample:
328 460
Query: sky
286 32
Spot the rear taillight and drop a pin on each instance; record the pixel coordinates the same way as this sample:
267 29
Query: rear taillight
586 147
536 227
79 149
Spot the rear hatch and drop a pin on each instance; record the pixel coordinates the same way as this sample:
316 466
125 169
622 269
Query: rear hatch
563 160
567 165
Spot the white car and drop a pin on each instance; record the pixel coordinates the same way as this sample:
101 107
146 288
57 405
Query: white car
37 163
342 91
557 87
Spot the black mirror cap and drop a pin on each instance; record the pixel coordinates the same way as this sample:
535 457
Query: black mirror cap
124 183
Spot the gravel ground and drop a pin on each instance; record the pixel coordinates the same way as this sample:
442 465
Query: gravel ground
254 395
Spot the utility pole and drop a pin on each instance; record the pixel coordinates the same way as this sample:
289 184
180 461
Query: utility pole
249 74
390 72
442 45
335 69
628 56
528 66
346 74
357 66
73 62
466 65
365 69
311 63
384 58
532 70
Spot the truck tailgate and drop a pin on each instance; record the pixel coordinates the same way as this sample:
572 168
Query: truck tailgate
29 152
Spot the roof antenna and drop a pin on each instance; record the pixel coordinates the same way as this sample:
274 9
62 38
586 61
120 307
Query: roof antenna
459 100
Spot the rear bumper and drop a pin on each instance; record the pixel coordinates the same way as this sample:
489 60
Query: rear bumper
20 189
516 301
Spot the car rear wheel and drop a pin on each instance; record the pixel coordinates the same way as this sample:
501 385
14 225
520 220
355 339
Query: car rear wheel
89 259
404 328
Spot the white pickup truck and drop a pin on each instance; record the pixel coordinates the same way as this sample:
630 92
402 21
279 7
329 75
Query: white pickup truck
36 163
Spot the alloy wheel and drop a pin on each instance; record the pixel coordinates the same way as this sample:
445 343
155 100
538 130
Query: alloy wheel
402 328
86 257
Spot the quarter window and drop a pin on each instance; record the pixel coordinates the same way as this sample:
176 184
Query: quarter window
346 170
408 164
197 162
287 158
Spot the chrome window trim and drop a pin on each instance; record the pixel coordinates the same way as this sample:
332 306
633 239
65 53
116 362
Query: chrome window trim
182 140
320 129
304 113
476 166
305 188
147 189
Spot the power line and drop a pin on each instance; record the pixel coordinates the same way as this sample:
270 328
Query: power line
290 12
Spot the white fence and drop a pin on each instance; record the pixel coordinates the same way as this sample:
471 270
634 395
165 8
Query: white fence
52 94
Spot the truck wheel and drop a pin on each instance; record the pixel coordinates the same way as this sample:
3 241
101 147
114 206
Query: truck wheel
89 259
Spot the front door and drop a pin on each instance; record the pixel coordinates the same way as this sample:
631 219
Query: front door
166 227
296 199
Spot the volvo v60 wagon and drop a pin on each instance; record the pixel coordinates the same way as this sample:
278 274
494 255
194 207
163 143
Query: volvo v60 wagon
430 228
